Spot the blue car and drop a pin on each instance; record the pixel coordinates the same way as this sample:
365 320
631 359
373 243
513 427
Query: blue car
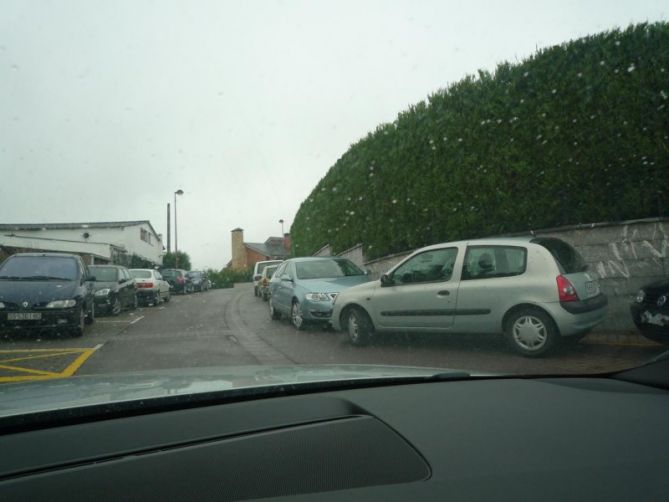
304 289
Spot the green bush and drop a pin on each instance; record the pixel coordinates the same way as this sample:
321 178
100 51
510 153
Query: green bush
227 277
576 133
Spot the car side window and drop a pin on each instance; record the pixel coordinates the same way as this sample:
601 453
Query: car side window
486 262
279 271
431 266
158 276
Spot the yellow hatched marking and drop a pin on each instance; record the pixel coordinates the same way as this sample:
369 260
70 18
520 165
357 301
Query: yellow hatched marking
34 374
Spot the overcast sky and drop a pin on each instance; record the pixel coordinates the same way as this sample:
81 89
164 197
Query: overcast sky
107 108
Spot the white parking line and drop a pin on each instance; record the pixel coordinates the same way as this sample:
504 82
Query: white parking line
138 319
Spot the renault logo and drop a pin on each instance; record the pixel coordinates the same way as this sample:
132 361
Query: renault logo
25 305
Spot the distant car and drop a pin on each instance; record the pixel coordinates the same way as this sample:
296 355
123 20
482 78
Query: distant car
263 284
304 289
536 291
46 291
178 280
199 280
151 287
650 311
257 272
114 288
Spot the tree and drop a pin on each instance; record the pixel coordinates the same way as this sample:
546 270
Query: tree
170 261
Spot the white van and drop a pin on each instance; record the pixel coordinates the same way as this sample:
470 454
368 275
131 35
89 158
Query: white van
257 272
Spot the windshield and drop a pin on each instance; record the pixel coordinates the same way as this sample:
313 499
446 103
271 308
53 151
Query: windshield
323 269
141 274
39 267
478 186
104 274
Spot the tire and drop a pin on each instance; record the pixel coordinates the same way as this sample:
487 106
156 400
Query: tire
255 291
296 318
78 330
135 302
358 327
274 314
531 332
116 307
168 297
157 299
89 318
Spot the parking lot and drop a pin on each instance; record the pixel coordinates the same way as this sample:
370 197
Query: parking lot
230 327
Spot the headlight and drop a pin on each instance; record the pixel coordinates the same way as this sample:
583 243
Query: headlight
640 296
102 292
61 304
661 300
318 297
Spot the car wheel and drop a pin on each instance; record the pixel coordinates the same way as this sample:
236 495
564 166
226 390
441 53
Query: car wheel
116 306
156 299
168 297
531 332
358 327
273 313
135 302
255 291
296 318
78 330
89 318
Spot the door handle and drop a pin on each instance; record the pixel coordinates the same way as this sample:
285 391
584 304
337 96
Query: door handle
444 292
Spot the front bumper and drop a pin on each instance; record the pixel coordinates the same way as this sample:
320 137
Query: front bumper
650 317
49 319
316 311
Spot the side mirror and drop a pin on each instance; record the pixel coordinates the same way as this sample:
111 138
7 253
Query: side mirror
91 278
386 280
256 277
286 278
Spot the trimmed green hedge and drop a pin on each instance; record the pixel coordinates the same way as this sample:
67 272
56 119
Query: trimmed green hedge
577 133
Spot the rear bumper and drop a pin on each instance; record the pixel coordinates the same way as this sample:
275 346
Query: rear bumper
580 317
650 318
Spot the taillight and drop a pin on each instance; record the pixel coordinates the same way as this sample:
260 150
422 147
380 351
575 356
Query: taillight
566 290
144 284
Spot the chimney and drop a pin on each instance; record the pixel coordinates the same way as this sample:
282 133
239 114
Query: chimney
286 242
238 251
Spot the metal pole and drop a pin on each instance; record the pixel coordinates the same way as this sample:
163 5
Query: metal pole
176 249
169 246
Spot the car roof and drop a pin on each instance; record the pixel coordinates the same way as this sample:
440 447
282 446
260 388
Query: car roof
53 255
315 258
106 266
492 241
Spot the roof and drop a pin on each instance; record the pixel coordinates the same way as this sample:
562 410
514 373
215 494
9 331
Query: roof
271 247
73 226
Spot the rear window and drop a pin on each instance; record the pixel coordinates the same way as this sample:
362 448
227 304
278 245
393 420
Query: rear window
261 266
169 273
568 259
141 274
104 274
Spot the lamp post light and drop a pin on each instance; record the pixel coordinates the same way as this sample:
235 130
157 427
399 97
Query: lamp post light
176 247
281 221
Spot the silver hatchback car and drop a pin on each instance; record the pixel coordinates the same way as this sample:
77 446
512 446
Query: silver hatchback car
534 290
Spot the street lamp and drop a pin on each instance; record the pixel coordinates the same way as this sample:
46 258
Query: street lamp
176 248
281 221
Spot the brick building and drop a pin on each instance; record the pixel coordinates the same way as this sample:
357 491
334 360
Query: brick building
249 253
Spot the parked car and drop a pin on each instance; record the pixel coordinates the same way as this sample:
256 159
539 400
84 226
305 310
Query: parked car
536 291
263 284
114 288
650 311
304 289
178 280
151 287
257 272
47 291
199 280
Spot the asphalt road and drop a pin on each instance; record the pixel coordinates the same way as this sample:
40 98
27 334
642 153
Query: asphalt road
231 327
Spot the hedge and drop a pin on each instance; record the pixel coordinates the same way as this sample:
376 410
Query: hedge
576 133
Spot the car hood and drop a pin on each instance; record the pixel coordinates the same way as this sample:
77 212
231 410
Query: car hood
658 287
98 285
84 391
367 286
36 293
333 285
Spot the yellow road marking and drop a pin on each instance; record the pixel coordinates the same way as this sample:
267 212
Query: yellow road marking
36 375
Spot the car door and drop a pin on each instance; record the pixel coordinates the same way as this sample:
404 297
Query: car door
163 285
421 293
489 284
129 286
284 289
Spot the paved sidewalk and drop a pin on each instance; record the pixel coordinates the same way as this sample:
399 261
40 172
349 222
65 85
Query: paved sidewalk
623 337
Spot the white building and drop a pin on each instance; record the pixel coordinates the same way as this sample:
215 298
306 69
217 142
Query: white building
133 243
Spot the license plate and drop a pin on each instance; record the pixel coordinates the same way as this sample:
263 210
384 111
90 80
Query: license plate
591 287
24 316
